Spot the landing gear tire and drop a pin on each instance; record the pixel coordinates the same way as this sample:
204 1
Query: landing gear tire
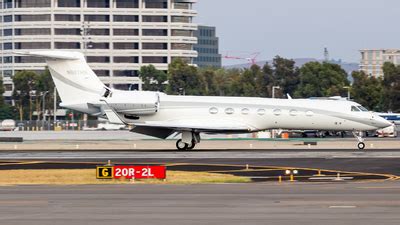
361 145
191 145
181 145
360 139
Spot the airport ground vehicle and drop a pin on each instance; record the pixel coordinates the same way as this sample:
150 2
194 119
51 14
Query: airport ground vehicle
159 115
389 131
7 125
110 126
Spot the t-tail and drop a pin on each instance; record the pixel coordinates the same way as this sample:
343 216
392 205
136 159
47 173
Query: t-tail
78 86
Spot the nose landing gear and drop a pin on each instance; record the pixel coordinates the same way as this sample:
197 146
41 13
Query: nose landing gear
361 144
188 141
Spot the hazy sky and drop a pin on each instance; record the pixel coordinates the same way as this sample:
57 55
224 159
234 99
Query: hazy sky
302 28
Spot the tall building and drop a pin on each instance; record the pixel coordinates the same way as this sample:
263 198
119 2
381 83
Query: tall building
372 60
207 47
117 36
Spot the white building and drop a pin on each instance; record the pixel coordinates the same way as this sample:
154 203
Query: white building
372 60
117 36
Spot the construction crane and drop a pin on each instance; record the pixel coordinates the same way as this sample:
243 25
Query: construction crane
252 58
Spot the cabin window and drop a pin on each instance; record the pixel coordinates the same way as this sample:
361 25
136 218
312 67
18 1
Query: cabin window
277 112
355 109
229 111
293 112
261 112
245 111
213 110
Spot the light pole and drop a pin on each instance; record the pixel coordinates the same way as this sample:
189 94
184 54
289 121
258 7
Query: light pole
44 108
273 90
348 91
85 33
55 107
182 91
31 94
86 39
44 105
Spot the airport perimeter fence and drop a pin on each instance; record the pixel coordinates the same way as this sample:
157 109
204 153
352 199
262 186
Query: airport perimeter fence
60 125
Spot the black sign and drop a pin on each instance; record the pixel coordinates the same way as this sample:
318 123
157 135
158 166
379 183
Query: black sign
104 172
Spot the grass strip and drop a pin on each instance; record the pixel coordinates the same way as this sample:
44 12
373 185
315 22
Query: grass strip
88 176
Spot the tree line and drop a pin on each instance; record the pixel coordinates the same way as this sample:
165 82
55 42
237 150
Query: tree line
29 88
313 79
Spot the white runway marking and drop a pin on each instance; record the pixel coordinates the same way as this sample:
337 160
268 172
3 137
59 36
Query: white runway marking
342 206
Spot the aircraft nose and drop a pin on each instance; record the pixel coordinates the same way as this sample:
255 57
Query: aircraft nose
381 122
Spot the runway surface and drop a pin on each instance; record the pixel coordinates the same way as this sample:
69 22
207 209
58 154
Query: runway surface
125 140
204 154
266 203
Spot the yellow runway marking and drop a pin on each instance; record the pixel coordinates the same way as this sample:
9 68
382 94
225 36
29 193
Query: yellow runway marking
245 170
20 163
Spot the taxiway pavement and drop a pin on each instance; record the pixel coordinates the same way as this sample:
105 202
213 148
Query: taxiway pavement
125 140
204 154
261 203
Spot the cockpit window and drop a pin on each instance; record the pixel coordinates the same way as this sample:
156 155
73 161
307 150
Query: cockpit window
355 109
362 108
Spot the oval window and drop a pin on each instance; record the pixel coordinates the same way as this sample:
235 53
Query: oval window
293 112
229 111
261 112
309 113
245 111
213 110
277 112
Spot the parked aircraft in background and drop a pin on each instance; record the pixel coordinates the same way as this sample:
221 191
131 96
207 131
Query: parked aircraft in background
160 115
392 117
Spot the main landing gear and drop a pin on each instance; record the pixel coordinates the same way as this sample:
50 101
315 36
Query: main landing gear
188 141
361 144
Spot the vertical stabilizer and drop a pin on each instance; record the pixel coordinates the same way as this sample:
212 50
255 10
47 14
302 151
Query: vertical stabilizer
75 80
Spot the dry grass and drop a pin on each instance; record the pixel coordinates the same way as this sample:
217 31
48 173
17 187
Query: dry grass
88 176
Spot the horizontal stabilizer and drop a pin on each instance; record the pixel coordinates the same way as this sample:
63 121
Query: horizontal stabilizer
111 114
112 117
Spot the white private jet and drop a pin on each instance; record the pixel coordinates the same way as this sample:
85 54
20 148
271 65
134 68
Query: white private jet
160 115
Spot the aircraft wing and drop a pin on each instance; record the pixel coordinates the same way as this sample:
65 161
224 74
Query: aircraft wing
163 129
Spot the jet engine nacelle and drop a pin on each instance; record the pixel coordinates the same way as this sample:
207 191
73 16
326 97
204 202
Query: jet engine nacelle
136 103
135 108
